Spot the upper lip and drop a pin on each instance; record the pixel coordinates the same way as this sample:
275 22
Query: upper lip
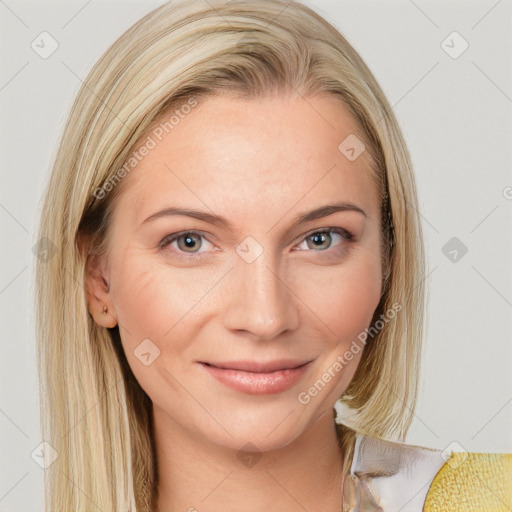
259 367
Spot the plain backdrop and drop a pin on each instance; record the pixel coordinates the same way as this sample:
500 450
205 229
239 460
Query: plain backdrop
445 67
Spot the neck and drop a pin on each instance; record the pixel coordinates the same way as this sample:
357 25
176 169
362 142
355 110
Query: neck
195 474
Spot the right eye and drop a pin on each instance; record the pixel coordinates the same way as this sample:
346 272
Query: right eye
188 242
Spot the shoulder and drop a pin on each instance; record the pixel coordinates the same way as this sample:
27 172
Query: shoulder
389 476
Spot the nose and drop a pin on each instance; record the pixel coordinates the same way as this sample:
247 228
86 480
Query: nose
259 300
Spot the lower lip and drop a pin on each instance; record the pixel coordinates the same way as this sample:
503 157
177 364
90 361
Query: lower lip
257 383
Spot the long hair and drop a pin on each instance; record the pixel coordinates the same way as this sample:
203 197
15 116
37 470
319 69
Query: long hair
93 411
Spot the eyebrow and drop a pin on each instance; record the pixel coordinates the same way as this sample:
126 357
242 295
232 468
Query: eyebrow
218 220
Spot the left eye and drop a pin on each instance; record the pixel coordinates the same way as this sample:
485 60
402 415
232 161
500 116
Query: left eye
322 240
188 242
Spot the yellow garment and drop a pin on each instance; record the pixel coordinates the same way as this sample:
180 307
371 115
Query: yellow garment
472 482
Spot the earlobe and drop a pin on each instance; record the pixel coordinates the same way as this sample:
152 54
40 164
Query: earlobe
108 319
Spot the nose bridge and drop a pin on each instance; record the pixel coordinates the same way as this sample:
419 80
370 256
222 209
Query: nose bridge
259 301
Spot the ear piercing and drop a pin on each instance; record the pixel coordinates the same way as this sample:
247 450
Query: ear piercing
105 309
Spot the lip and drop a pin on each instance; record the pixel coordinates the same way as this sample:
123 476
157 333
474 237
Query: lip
257 378
259 367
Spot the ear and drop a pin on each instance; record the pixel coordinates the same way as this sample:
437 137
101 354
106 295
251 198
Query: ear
97 288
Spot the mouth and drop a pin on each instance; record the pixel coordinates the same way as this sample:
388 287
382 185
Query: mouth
259 367
257 378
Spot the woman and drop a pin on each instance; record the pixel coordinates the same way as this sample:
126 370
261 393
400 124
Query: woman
237 247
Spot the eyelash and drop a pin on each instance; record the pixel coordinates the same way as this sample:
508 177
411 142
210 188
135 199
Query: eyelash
167 240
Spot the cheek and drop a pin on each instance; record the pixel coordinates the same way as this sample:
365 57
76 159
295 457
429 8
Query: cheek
142 303
162 304
149 305
152 299
156 322
352 309
345 298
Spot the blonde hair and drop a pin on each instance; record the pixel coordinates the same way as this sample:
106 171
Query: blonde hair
93 411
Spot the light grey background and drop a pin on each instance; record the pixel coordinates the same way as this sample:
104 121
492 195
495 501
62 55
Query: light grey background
456 115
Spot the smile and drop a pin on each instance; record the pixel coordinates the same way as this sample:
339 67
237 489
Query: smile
257 378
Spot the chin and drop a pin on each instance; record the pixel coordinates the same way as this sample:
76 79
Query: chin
261 430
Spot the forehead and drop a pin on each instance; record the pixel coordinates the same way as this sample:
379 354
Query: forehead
235 156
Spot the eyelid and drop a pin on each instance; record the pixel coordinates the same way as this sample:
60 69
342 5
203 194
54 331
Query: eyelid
336 229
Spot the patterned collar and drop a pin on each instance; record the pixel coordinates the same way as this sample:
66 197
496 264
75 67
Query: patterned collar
388 476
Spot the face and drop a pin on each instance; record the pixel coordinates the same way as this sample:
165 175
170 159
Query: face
238 321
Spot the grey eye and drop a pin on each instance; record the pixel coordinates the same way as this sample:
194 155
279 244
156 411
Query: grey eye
190 243
320 240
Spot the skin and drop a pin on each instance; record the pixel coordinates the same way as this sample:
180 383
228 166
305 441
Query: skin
298 299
